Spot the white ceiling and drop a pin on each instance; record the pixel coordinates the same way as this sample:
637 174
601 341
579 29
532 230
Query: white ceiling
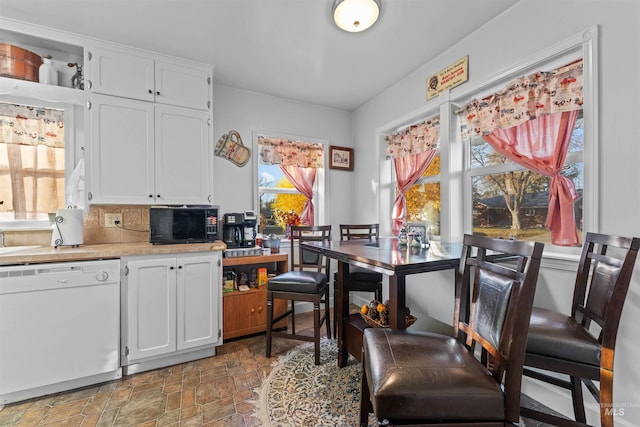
287 48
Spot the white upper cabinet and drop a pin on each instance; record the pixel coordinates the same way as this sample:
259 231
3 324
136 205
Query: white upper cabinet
182 85
121 153
133 75
116 72
182 156
151 126
146 153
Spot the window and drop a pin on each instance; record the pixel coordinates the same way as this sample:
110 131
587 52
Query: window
423 199
280 202
509 201
525 146
32 162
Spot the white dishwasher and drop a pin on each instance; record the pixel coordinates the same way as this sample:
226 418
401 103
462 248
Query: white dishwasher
59 327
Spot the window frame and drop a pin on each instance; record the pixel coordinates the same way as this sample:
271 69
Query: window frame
319 195
455 187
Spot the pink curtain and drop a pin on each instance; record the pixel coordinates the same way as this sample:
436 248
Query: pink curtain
303 180
541 145
408 170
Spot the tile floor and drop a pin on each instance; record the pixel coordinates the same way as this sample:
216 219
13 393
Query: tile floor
215 391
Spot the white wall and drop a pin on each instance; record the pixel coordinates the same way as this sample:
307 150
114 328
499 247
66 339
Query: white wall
525 30
246 112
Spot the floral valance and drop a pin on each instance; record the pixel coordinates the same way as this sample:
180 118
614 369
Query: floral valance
280 151
526 98
25 125
415 139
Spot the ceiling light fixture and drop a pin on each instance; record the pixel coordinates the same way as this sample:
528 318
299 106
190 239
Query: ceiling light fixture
355 15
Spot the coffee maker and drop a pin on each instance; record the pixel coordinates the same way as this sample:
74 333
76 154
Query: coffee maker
249 229
233 230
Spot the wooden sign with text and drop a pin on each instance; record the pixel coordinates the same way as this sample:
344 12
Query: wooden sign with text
448 78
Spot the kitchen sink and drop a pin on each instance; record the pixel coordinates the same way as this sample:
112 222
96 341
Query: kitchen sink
12 249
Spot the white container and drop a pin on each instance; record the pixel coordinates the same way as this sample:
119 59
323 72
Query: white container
47 72
67 228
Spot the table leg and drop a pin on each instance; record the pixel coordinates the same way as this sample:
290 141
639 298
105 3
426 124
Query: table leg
397 301
342 311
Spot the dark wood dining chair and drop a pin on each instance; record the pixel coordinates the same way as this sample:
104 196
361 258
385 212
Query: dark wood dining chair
474 376
581 345
359 279
306 281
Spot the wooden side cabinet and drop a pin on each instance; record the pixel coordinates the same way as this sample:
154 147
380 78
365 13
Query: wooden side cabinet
245 312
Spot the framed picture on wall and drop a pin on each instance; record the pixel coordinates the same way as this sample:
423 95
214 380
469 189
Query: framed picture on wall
340 158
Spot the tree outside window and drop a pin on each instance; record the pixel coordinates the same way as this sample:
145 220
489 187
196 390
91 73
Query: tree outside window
509 201
423 199
279 200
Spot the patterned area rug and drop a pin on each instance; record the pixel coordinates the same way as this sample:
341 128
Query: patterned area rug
298 393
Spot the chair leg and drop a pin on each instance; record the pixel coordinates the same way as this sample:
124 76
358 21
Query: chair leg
293 317
335 312
327 315
578 399
269 322
316 331
606 398
365 398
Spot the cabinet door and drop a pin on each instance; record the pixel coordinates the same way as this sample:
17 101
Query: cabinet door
121 151
182 85
151 308
183 157
199 282
121 73
240 313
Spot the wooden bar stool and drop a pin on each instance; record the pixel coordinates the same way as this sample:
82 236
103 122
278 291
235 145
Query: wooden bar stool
359 279
473 376
306 281
568 344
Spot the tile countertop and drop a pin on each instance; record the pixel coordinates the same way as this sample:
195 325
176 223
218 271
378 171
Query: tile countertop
43 254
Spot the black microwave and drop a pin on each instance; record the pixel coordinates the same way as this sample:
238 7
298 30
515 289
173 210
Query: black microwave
184 224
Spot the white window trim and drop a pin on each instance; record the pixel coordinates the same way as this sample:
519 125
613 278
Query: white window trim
320 201
581 45
455 188
73 151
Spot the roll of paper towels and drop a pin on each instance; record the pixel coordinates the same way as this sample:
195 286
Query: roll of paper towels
67 228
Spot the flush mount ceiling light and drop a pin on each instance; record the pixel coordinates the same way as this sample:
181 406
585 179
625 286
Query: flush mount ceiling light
355 15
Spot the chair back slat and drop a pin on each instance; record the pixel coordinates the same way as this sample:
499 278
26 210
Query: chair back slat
602 282
359 231
501 290
305 259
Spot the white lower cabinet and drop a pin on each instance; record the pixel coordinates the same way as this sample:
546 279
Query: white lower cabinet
171 310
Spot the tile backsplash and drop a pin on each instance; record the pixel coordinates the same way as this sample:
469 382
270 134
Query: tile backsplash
135 225
134 228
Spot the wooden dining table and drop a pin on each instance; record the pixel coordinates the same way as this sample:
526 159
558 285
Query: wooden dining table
389 257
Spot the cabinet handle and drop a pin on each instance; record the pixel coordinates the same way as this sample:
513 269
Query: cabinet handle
179 267
171 268
158 196
253 310
151 195
158 93
150 91
259 309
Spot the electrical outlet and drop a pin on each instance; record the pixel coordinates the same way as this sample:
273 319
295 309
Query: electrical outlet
111 218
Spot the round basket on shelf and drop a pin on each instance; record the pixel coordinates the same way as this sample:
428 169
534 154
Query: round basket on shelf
408 321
